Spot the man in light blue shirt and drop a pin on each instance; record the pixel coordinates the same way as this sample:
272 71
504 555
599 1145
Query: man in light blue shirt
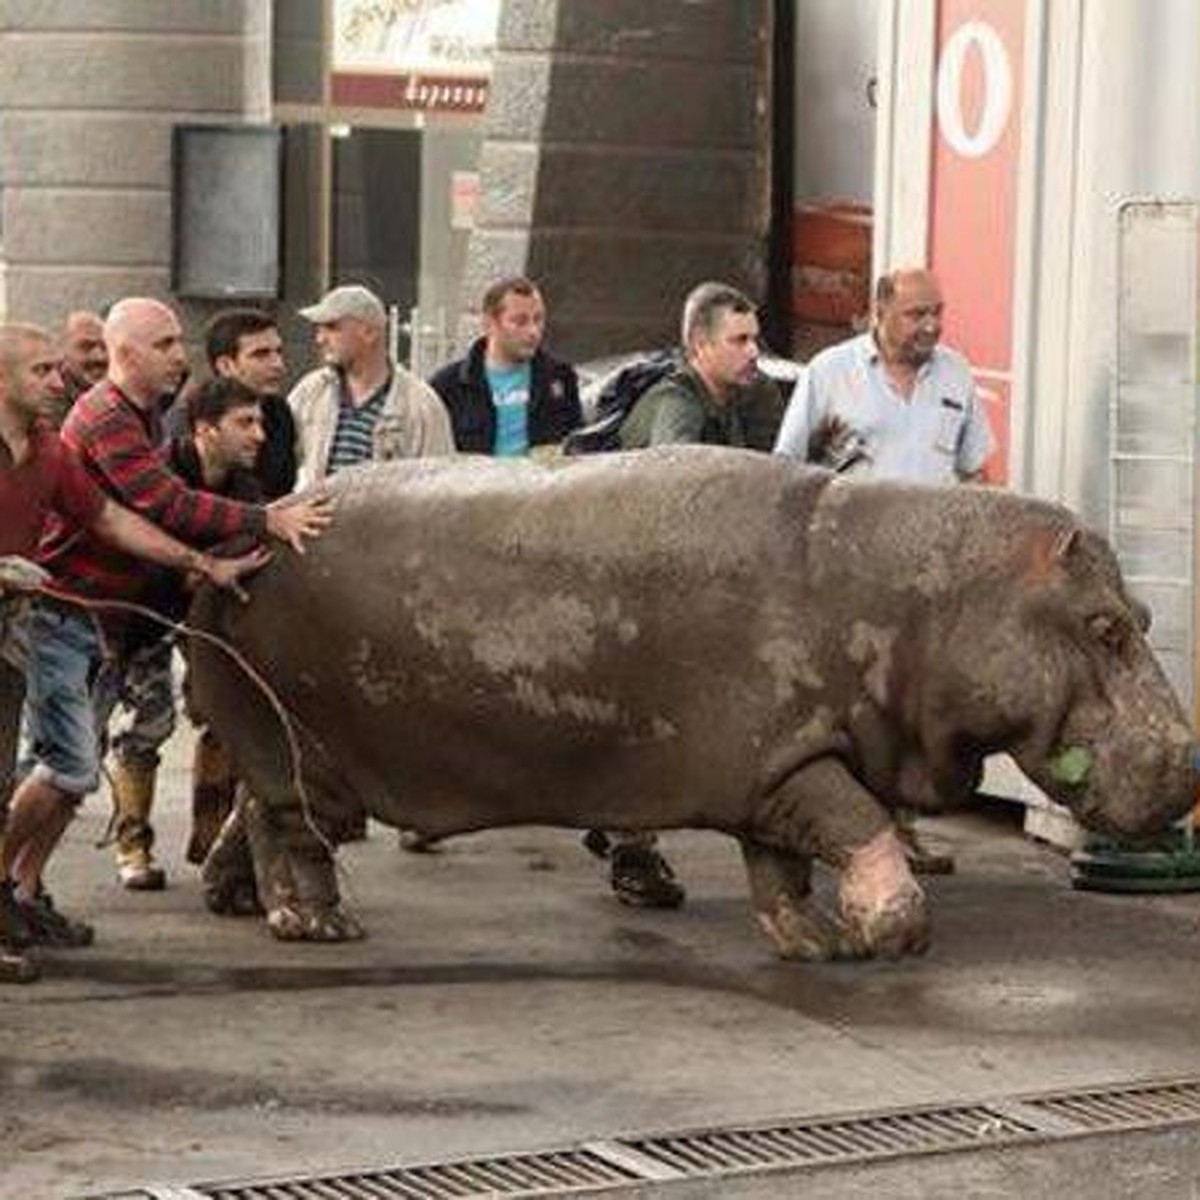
892 403
509 385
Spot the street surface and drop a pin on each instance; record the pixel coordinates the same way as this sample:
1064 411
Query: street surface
505 1001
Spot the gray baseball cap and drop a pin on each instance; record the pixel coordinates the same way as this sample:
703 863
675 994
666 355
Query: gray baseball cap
351 300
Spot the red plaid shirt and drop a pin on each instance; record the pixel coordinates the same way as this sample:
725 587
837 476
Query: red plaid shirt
119 444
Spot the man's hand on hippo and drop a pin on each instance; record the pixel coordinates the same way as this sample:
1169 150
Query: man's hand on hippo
293 519
228 572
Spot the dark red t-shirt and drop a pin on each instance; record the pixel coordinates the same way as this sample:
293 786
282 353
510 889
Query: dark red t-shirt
51 480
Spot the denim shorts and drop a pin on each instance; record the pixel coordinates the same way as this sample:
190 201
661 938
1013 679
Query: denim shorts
60 743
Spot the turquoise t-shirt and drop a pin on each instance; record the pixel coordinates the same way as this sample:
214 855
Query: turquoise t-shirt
510 396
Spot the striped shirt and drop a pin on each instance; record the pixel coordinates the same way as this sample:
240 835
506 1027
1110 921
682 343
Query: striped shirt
354 437
119 444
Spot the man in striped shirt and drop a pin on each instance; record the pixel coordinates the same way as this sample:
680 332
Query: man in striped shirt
116 431
360 406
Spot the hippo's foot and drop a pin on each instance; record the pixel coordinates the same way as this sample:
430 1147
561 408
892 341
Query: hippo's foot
805 933
298 922
883 905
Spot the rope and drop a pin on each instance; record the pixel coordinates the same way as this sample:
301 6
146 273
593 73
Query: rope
286 720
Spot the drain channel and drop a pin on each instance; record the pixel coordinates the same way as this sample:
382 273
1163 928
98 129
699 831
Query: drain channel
734 1150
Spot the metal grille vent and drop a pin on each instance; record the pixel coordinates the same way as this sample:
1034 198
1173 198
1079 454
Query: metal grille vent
698 1154
1124 1108
552 1174
854 1139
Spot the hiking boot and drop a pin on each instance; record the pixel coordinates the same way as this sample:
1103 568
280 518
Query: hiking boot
642 878
15 932
213 790
52 928
132 785
137 870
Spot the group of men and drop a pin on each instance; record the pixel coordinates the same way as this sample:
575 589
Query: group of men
147 481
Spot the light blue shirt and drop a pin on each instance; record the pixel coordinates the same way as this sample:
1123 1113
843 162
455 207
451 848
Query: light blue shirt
510 398
939 434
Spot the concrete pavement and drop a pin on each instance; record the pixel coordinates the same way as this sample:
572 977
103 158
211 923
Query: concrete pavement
505 1001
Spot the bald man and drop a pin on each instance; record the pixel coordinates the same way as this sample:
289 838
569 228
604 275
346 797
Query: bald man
84 360
115 429
39 477
893 403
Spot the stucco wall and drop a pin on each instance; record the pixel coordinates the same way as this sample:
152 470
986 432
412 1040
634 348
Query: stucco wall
89 92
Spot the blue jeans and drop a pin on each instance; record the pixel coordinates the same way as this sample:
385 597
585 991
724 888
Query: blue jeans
60 742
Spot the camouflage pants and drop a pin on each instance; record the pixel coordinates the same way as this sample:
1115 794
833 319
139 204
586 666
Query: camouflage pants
140 703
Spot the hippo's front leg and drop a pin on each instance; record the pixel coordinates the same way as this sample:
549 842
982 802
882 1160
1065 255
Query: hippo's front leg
822 809
781 890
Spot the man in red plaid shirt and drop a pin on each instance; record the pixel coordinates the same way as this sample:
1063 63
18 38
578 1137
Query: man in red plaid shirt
115 429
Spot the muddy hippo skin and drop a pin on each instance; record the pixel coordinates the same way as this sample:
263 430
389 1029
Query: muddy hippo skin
686 638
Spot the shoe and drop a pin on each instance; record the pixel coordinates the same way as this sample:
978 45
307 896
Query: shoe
922 859
642 878
138 872
52 928
15 933
132 783
597 843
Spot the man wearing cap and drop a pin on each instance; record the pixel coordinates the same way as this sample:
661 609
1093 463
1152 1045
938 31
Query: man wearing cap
360 406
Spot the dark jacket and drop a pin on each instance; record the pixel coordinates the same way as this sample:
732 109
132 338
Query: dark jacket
553 401
165 590
276 466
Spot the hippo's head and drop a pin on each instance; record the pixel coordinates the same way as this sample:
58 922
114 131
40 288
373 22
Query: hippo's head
1054 667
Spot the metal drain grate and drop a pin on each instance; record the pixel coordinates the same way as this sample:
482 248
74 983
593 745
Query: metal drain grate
830 1141
1124 1107
711 1153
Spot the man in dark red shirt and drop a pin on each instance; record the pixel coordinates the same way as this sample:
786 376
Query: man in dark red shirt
115 431
40 478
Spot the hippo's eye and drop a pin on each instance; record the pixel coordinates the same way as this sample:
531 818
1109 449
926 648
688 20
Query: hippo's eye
1110 631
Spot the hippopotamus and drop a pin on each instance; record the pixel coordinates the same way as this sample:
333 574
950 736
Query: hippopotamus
687 637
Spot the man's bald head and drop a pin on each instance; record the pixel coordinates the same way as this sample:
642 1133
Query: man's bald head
16 340
145 349
908 315
29 379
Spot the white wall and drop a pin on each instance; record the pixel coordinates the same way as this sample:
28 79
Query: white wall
1130 129
835 126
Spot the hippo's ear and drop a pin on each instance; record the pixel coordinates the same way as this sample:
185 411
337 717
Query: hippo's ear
1051 552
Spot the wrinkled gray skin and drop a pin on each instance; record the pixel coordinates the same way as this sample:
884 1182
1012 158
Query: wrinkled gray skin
690 637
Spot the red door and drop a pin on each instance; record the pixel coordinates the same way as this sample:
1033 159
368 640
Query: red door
973 192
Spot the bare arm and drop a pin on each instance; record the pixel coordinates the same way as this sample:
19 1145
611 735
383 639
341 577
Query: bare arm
137 536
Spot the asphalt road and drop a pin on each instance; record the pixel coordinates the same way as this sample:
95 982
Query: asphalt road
505 1001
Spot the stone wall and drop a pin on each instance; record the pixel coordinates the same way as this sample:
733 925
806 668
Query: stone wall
89 92
626 158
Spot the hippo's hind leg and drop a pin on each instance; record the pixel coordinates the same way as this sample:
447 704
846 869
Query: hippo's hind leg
822 809
789 914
